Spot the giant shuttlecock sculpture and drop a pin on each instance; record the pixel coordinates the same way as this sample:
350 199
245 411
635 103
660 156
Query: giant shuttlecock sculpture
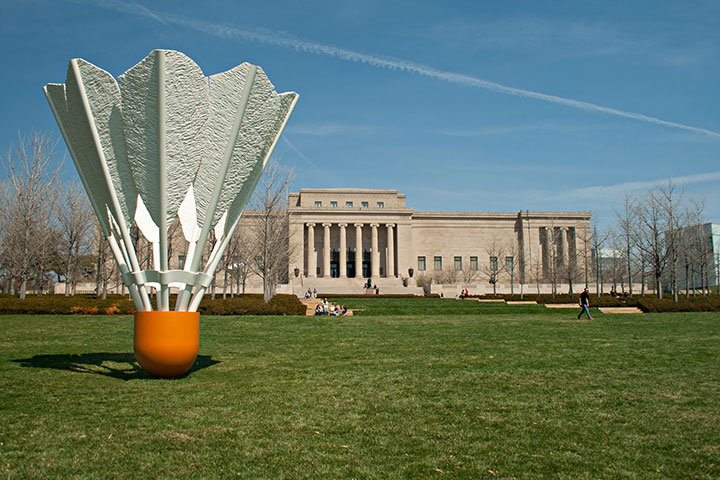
165 142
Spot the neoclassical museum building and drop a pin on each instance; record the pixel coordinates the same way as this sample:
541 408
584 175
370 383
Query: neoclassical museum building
340 237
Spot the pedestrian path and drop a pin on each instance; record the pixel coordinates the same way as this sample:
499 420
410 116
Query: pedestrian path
620 310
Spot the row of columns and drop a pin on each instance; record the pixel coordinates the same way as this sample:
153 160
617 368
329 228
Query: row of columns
557 236
374 250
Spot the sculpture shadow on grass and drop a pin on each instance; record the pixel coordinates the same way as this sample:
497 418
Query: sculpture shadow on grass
122 366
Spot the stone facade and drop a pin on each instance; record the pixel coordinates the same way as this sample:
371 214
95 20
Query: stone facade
327 227
349 235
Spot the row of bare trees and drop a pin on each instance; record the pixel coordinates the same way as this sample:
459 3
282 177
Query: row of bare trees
48 234
44 222
660 240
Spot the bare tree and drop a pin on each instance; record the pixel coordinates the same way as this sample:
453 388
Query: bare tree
659 220
239 255
554 262
75 224
569 268
510 265
470 272
585 239
271 228
598 239
626 229
27 205
105 266
446 276
424 281
492 270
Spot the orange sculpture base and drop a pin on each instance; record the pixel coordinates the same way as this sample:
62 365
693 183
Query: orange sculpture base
166 343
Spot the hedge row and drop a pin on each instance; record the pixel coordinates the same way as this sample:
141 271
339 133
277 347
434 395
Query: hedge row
367 295
710 303
252 304
121 305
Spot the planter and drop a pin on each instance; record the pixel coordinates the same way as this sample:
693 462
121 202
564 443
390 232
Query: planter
166 343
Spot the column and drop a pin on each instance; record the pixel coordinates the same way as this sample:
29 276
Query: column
311 255
358 250
390 272
534 251
546 244
375 262
563 246
326 250
343 251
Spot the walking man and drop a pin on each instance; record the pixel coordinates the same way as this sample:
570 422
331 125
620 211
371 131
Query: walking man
585 303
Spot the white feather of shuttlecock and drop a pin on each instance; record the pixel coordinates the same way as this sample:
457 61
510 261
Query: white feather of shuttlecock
165 142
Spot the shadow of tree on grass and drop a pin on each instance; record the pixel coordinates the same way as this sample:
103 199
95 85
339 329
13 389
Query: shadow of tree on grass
122 366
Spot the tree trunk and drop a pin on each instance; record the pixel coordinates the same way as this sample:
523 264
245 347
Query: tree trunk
225 279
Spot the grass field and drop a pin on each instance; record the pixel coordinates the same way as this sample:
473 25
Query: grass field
452 391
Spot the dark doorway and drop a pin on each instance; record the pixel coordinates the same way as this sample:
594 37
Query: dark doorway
366 264
335 264
350 273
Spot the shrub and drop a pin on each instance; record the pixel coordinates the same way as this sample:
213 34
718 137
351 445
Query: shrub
60 304
118 304
369 295
710 303
252 304
112 310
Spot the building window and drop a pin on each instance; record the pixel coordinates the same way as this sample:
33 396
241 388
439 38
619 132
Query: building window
181 261
421 264
318 203
458 264
473 263
333 204
364 204
438 263
381 204
348 204
493 264
509 264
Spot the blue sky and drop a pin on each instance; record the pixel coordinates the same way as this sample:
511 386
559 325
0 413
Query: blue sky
463 106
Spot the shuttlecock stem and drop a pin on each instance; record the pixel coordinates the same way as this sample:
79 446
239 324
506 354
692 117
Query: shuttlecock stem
164 293
122 265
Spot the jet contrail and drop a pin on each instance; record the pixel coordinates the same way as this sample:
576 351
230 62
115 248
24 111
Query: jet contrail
286 41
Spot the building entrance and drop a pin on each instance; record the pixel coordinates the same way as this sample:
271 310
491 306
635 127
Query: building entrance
366 264
335 264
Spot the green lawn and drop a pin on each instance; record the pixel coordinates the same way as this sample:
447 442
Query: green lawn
494 392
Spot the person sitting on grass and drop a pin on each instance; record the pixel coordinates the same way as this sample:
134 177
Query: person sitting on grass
318 310
585 304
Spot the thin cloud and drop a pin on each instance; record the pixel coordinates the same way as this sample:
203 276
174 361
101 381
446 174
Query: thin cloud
322 171
616 191
286 41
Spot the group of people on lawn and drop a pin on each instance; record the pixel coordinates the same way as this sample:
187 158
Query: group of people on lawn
325 308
